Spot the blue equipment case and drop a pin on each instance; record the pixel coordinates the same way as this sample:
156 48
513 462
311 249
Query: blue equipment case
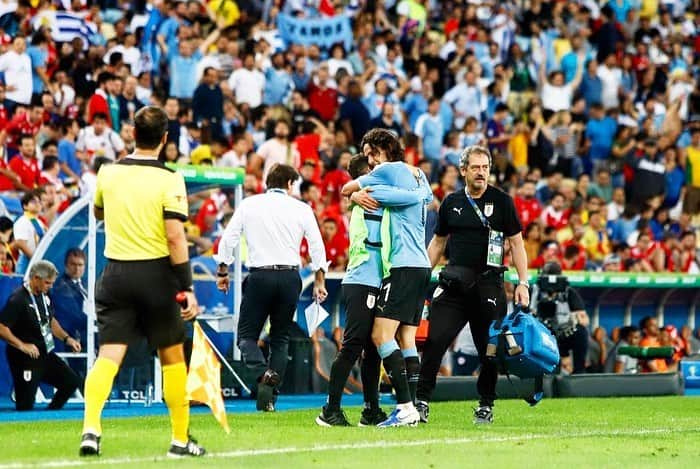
522 346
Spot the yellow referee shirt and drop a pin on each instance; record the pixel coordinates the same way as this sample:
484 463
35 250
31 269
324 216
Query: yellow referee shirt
137 196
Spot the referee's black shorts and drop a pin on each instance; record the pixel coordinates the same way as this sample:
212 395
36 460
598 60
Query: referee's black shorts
402 295
136 299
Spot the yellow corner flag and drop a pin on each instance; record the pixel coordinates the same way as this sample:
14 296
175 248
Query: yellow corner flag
204 377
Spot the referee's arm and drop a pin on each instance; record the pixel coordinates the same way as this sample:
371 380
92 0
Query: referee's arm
180 259
517 246
174 215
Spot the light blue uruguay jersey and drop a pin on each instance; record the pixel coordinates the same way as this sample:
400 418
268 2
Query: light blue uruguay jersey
370 272
407 222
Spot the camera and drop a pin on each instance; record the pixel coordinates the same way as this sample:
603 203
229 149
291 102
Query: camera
551 303
552 283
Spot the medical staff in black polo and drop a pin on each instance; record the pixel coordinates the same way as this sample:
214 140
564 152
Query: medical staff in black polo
473 224
274 224
28 325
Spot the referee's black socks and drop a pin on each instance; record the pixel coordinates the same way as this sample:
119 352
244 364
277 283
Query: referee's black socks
395 367
412 370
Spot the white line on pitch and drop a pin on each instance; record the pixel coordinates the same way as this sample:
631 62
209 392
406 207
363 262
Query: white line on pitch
340 447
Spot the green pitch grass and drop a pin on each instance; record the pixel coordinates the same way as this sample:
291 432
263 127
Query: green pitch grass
562 433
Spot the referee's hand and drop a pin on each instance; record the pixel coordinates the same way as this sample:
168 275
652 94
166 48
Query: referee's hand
522 296
191 310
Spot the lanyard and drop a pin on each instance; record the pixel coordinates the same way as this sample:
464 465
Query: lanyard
476 208
36 307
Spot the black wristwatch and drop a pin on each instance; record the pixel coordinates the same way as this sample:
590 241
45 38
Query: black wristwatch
219 273
65 340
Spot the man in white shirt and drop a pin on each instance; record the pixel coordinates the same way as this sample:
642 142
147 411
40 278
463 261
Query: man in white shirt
64 94
611 77
99 139
17 66
130 53
555 93
274 225
617 205
247 83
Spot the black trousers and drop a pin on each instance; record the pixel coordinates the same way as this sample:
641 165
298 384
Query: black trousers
50 369
273 294
359 321
577 343
450 312
357 342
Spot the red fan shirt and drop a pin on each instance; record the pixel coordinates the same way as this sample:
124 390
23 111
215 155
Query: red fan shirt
20 125
556 219
332 184
528 210
5 183
98 103
323 101
26 169
336 249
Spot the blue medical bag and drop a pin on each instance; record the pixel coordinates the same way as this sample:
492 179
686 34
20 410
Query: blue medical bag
522 346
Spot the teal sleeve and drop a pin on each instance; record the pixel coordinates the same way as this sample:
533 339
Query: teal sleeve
391 196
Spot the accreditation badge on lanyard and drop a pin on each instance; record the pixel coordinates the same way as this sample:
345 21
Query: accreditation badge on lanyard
494 252
44 324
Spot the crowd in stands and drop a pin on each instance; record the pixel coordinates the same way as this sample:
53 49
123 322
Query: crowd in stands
591 110
603 356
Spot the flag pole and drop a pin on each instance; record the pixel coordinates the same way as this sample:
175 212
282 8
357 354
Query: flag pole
226 364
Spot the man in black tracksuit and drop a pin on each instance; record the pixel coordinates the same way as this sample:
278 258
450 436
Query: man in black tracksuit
477 221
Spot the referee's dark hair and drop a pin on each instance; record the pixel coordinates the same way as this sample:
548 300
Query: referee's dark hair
150 124
386 140
280 176
357 166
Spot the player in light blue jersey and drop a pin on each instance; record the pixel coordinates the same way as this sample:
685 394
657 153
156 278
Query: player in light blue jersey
402 294
370 241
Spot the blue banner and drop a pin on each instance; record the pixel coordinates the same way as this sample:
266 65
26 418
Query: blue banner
322 31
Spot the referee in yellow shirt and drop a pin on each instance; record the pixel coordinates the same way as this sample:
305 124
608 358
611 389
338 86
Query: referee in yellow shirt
144 205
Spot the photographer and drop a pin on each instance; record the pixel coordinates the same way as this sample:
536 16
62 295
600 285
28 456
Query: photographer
562 310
